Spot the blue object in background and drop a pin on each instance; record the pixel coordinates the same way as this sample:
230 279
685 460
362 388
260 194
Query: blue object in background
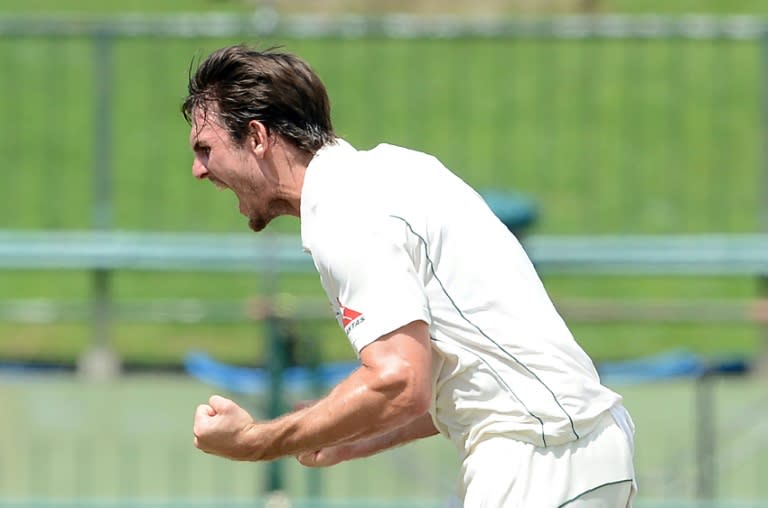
517 211
668 365
251 380
678 363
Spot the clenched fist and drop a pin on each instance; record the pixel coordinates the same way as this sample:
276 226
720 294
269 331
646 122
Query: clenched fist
221 427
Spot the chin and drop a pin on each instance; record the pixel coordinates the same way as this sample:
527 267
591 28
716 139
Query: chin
257 224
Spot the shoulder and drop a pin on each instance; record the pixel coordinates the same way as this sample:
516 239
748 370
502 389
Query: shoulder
387 153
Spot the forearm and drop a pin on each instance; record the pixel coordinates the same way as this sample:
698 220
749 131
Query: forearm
365 405
392 387
419 428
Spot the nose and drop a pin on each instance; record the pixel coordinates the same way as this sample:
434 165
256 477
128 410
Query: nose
199 170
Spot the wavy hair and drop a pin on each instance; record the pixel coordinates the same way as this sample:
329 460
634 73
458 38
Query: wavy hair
279 89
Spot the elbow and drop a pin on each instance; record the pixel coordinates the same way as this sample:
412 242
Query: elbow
420 398
408 391
420 405
415 401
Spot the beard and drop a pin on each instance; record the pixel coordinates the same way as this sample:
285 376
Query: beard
258 221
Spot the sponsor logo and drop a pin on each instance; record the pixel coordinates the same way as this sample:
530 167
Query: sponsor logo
349 318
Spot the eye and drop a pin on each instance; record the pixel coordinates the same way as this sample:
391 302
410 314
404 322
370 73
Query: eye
202 150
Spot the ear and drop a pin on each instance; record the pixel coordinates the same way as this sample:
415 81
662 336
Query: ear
258 138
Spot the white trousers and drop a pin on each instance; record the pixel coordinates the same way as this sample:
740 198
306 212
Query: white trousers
595 471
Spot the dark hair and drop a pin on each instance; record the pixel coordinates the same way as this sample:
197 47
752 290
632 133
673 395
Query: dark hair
279 89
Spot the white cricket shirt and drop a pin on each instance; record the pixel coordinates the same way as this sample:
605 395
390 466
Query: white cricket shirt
396 237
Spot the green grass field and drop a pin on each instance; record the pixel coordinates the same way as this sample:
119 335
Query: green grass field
609 136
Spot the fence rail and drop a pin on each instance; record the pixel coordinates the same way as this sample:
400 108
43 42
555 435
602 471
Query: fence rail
266 22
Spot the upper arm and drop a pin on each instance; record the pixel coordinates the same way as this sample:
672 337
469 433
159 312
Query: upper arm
371 279
402 361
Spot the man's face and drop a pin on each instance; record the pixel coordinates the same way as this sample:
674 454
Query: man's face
229 166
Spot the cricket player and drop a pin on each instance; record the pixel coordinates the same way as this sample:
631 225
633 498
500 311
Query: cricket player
454 331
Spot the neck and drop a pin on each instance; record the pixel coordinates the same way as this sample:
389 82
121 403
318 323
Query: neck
291 166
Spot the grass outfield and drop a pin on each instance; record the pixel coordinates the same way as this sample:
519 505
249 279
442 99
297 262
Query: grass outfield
132 439
608 136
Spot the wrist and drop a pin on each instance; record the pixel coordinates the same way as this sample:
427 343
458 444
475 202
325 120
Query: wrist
247 441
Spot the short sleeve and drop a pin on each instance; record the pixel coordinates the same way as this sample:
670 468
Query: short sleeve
370 278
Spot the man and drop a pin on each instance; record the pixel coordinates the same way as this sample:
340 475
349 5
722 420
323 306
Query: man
454 331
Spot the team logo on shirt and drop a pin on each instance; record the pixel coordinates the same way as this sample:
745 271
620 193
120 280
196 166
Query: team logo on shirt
349 318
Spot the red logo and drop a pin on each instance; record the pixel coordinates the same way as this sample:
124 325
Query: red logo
348 316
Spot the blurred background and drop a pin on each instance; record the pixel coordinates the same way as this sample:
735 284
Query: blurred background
622 140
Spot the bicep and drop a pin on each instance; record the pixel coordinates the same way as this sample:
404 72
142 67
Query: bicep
409 342
404 355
